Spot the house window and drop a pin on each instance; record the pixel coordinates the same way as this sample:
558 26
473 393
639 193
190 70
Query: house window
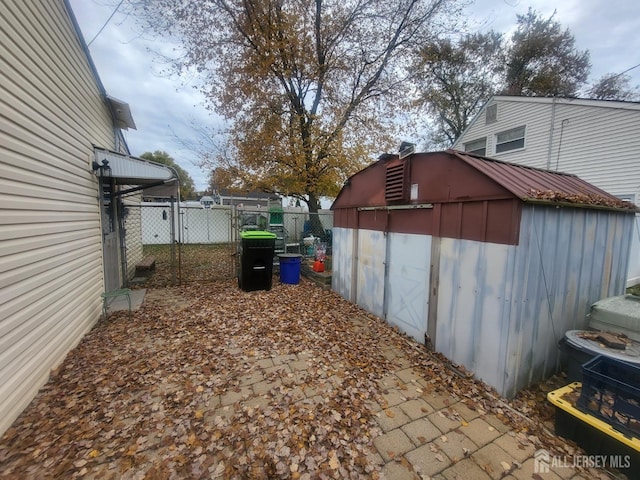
510 140
491 114
479 146
631 198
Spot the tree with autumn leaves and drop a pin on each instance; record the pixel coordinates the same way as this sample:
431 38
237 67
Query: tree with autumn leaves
311 89
456 76
187 190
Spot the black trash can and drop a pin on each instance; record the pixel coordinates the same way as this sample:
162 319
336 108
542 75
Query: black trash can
256 260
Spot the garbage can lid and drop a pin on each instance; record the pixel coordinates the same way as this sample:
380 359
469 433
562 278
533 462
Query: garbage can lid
630 354
257 234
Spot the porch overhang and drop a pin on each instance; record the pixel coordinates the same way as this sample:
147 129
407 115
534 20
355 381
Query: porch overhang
129 170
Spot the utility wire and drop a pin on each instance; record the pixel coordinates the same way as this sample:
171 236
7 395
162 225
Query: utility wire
622 73
105 23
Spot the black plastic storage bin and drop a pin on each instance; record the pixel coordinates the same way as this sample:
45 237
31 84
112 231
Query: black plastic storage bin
611 392
256 260
595 442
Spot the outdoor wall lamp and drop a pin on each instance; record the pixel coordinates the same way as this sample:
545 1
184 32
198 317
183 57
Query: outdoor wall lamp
103 170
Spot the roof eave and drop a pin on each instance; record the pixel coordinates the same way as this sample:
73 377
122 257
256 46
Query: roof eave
589 206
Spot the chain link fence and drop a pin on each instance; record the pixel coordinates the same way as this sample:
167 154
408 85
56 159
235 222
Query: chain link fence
195 244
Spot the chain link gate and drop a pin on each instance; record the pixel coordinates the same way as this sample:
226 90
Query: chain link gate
208 244
190 244
196 244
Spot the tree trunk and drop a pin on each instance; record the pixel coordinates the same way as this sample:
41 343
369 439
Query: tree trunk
315 225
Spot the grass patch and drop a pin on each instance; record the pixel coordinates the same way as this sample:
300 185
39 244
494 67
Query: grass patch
199 263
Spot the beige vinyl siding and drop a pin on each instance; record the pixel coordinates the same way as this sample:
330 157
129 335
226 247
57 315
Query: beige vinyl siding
51 112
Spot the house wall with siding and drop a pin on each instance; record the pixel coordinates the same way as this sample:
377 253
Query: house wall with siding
51 112
597 141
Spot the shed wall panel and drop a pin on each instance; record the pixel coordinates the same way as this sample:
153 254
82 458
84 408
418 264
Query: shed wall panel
370 274
567 260
492 221
343 261
503 309
51 111
473 302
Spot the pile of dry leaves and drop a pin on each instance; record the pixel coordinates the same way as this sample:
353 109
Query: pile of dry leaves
146 398
213 382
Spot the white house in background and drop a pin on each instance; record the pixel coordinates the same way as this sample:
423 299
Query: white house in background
247 199
64 168
599 141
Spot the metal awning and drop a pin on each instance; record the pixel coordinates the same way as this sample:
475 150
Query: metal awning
128 170
121 113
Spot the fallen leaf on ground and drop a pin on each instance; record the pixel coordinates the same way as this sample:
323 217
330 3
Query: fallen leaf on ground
198 381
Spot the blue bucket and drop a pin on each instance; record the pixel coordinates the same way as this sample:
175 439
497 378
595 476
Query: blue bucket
290 268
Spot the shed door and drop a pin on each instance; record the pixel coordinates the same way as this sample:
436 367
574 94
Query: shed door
370 272
407 283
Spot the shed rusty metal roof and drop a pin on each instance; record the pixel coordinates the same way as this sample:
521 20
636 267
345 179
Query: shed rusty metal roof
536 185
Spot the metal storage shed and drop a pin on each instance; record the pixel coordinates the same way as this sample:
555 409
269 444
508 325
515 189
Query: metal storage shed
489 262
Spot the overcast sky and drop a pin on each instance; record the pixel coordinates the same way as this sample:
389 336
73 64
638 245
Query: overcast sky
165 110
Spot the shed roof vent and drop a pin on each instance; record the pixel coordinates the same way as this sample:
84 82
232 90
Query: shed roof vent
395 185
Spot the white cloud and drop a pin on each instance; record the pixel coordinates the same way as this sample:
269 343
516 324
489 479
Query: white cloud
163 108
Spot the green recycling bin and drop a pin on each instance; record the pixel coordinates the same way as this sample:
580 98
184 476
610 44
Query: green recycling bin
256 260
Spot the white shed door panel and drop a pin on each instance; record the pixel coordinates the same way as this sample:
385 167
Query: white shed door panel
372 248
409 265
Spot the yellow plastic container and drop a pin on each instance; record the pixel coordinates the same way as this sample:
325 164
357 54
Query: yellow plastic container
556 398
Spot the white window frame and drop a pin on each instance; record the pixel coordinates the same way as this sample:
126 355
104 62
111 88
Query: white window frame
494 118
464 145
496 144
628 197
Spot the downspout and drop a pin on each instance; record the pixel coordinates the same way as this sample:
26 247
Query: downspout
562 124
553 120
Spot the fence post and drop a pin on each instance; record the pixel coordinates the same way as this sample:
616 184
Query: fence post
172 239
